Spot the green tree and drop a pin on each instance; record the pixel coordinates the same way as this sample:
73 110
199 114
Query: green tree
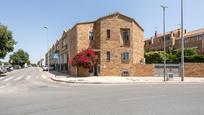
154 57
174 56
19 58
6 41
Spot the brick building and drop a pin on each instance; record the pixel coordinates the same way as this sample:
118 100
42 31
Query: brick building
191 39
117 40
156 42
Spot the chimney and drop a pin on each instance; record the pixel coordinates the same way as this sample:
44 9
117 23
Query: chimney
155 34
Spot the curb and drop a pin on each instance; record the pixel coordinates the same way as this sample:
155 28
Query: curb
53 78
130 83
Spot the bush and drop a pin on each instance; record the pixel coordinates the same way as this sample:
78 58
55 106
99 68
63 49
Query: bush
85 59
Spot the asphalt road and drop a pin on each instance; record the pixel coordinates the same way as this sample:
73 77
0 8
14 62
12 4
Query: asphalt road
29 92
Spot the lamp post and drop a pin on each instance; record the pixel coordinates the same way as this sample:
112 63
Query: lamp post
48 54
182 44
164 37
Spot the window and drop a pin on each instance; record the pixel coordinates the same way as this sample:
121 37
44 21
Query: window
200 37
168 38
91 35
126 36
125 56
108 56
108 34
125 73
125 33
185 40
64 43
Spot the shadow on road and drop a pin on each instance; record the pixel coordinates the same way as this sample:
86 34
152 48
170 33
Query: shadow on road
2 75
57 74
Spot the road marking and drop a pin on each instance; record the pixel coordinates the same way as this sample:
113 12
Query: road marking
7 79
143 97
44 77
28 77
2 86
2 78
18 78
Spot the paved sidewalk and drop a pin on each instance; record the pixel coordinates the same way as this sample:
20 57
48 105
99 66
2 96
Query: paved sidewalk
118 80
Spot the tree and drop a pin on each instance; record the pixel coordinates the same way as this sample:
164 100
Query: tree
6 41
174 56
19 58
154 57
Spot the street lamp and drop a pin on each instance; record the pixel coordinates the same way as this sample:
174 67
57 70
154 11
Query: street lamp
164 26
48 54
182 44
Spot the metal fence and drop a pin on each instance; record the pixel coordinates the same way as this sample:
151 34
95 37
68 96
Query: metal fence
173 69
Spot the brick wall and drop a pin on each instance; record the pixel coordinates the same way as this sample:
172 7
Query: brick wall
194 69
142 70
114 45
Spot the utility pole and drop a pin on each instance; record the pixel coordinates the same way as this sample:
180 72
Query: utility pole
182 44
48 54
164 36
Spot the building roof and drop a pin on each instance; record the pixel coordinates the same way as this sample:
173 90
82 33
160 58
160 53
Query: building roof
161 34
107 16
195 32
101 18
119 14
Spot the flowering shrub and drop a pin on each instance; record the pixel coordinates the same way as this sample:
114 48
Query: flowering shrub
85 59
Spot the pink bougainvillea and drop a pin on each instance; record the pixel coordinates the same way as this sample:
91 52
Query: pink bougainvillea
85 59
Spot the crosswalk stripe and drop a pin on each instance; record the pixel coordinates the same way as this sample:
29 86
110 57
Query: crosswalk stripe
18 78
1 78
7 79
28 77
2 86
44 77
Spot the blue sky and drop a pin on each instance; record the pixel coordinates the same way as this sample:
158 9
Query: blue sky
26 18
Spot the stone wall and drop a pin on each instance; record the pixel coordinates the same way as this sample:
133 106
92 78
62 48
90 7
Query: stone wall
194 69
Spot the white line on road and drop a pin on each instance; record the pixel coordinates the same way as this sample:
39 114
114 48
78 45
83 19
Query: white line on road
2 78
18 78
7 79
28 77
44 77
143 97
2 86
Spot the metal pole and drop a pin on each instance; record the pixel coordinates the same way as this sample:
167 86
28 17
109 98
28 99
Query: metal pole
48 57
164 26
182 44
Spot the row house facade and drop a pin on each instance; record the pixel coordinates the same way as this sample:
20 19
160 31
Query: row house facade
156 42
192 39
117 40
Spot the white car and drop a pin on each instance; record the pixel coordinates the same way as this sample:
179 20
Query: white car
45 68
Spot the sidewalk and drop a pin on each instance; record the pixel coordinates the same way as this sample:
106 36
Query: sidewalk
55 76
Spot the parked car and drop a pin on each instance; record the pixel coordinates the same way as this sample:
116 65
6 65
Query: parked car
3 69
17 67
45 68
9 68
